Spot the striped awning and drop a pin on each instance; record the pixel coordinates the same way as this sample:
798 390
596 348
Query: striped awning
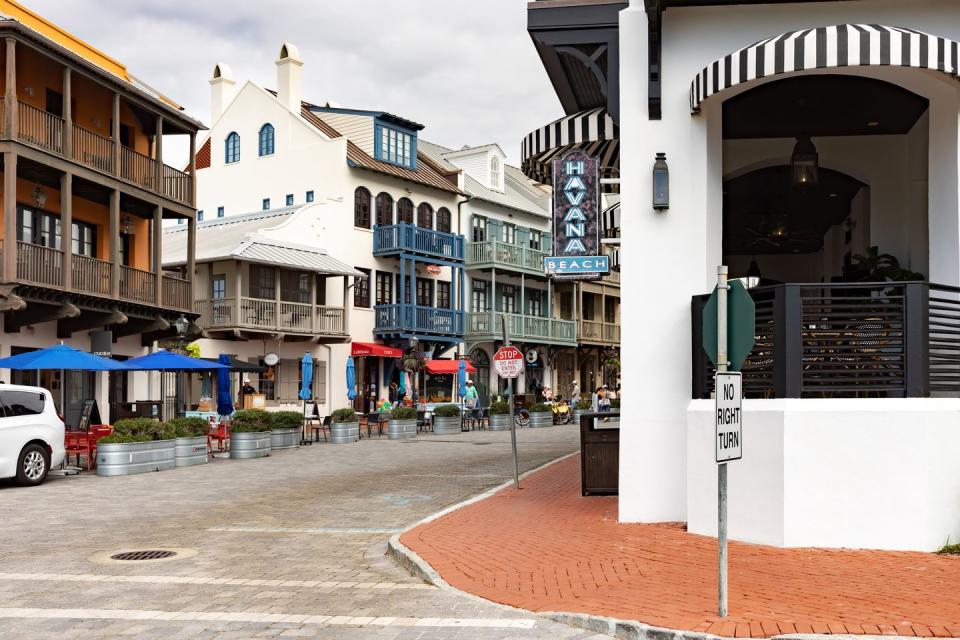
844 45
592 131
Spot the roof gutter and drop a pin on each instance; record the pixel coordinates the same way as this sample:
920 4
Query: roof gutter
467 198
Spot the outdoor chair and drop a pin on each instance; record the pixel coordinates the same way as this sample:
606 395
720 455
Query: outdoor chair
375 418
79 443
422 423
484 419
316 429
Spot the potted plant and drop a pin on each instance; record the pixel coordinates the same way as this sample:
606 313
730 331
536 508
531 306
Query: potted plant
446 419
250 434
137 445
191 440
344 426
499 416
615 407
541 415
402 424
582 407
285 430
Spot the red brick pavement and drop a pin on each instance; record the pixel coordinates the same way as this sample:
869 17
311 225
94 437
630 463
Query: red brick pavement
546 548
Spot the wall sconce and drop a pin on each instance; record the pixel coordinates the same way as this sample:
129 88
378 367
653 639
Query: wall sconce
39 196
661 183
126 227
181 324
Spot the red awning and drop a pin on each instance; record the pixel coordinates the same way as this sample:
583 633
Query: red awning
447 366
374 349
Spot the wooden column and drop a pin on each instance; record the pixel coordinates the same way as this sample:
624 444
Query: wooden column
276 297
191 254
115 133
10 95
114 238
158 156
67 113
193 169
66 228
156 252
346 304
10 214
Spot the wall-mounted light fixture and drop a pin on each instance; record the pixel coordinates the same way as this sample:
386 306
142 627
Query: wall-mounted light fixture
661 183
181 324
39 196
805 163
126 227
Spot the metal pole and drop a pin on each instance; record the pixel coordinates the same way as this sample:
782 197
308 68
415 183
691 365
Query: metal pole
722 467
513 423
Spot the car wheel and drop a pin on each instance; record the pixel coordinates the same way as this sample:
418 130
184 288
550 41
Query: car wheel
33 465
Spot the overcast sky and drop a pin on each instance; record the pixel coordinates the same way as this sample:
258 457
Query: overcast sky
464 68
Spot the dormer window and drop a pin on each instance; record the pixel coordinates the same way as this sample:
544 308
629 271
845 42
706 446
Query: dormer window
395 146
496 179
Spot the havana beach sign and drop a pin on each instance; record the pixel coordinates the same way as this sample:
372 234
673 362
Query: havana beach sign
576 228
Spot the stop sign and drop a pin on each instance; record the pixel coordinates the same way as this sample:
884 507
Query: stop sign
508 362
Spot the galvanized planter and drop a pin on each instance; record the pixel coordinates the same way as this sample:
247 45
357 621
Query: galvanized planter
191 451
284 439
344 432
446 425
401 429
499 421
250 444
123 459
541 419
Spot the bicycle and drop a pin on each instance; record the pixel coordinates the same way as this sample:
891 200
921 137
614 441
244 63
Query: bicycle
521 417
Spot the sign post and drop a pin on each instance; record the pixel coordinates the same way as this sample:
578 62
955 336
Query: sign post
508 363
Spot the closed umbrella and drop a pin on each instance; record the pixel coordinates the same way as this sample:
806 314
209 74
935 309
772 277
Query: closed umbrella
351 379
402 388
306 376
163 360
224 397
462 378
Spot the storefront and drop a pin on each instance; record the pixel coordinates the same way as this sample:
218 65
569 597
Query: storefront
377 365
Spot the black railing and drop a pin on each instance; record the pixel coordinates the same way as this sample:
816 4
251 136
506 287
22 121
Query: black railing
889 339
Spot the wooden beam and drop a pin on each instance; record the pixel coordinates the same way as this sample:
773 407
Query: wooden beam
156 252
39 313
88 320
67 113
66 228
114 239
10 95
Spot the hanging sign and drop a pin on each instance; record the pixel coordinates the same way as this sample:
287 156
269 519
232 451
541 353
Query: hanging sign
576 225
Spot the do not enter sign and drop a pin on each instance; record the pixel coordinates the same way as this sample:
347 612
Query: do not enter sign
508 362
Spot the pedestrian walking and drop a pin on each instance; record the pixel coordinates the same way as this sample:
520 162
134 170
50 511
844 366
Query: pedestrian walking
471 400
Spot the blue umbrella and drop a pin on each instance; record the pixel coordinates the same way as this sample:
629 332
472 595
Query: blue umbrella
306 373
462 377
163 360
224 399
402 387
351 379
61 357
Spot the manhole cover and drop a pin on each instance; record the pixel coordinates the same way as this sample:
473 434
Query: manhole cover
152 554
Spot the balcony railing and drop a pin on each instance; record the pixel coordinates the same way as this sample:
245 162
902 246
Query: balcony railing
407 238
269 315
487 325
599 332
417 319
176 293
137 285
39 265
46 131
493 253
887 339
91 275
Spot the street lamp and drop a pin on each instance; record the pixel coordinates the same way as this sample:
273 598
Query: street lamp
181 324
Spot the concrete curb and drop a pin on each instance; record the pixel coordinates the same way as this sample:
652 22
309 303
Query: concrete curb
616 628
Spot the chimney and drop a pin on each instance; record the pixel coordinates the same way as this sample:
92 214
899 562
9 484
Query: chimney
222 90
289 87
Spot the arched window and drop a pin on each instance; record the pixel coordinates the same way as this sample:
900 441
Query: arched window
266 140
384 208
481 378
425 216
443 220
405 210
495 179
361 208
232 148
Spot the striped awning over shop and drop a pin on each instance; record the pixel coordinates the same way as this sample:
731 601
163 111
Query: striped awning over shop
845 45
592 131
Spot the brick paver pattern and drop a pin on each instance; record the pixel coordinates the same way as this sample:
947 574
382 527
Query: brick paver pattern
546 548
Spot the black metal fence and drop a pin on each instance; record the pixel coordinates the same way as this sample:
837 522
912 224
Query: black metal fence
888 339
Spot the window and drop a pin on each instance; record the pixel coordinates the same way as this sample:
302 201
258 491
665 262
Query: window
268 380
309 196
361 289
407 286
424 292
218 287
610 311
289 199
510 233
54 103
478 297
266 204
587 312
443 294
495 178
425 216
479 224
288 387
384 208
263 282
200 215
219 212
295 286
535 303
405 210
41 228
361 208
508 298
84 239
266 140
124 249
395 146
536 239
384 287
566 305
443 220
22 403
232 148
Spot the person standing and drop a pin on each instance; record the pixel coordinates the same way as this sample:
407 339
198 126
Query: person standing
603 399
471 400
575 392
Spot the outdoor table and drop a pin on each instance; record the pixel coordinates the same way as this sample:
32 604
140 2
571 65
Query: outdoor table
206 415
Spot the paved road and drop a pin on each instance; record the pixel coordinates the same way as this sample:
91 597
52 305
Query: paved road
290 545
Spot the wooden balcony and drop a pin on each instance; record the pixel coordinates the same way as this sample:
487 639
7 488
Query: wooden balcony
37 128
488 325
270 316
408 239
501 255
596 332
407 320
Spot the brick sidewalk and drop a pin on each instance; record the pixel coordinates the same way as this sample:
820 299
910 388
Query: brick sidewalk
548 549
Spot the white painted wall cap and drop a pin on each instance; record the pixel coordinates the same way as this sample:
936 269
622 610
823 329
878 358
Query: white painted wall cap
289 51
222 71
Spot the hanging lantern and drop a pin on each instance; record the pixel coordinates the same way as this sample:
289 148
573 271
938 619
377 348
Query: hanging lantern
805 163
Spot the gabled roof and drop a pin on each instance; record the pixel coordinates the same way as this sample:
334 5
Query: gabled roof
518 194
468 150
381 115
244 237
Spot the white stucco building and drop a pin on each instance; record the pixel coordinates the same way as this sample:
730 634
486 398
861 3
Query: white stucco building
809 144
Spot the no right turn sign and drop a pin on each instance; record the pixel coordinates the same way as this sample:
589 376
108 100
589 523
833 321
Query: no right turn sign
729 417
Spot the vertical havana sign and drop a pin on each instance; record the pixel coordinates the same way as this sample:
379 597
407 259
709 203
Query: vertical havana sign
576 225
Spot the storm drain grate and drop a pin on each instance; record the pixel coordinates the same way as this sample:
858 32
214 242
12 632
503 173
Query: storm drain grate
150 554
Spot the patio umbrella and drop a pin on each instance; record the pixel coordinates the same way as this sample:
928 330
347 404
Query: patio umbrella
61 357
163 360
306 374
224 398
351 379
402 387
462 378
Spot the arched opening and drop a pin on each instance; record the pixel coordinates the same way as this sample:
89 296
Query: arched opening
480 360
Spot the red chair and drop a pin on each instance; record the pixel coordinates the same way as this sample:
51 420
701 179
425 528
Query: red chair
220 431
79 443
96 432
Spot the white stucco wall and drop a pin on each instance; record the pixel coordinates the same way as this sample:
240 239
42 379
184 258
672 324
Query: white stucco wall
675 253
861 473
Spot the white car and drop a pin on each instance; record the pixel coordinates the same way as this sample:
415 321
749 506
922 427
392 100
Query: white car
31 434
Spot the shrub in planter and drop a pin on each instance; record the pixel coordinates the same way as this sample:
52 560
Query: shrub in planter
615 404
285 429
251 420
137 445
499 416
347 414
344 426
541 415
250 434
584 405
403 413
499 408
446 419
188 427
191 440
286 420
402 424
447 411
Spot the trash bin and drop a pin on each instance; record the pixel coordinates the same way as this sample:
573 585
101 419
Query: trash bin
599 454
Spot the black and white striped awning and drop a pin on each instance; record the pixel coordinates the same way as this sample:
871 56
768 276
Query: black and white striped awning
844 45
592 131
